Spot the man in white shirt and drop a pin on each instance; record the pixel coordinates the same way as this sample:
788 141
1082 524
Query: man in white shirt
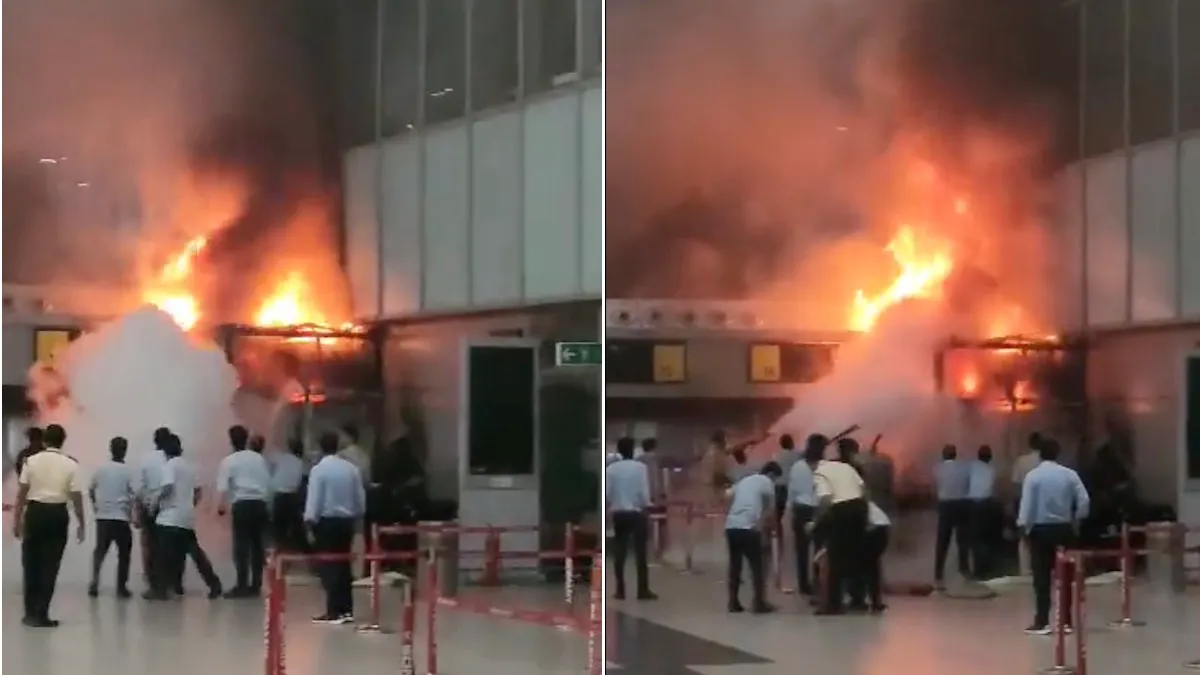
176 523
112 496
244 482
149 481
800 497
627 497
751 513
843 517
984 528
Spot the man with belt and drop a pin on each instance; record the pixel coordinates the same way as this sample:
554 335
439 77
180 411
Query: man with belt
842 516
333 510
627 496
953 479
47 482
244 483
751 514
1053 503
175 523
150 482
287 483
801 499
112 496
982 525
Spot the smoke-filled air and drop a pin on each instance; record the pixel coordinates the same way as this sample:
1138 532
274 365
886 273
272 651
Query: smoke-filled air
879 166
180 155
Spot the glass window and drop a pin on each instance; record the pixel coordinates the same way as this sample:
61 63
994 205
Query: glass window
445 60
1189 65
356 59
1070 19
401 65
495 52
1104 87
1151 73
549 48
593 37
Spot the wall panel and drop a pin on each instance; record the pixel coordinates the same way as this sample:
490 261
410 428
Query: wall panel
551 198
1190 250
447 215
1154 230
496 212
1107 240
359 189
592 210
1068 214
402 226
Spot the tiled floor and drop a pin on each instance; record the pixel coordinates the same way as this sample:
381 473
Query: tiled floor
199 637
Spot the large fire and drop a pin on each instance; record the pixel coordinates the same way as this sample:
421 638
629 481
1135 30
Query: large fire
923 264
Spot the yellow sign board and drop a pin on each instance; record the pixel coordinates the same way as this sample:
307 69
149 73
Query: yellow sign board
765 363
48 344
670 363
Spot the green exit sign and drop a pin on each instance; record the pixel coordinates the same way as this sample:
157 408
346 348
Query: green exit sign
578 353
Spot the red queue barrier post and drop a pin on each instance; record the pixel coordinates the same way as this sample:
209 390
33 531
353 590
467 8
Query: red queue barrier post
596 622
689 537
1127 564
569 566
431 597
372 624
408 629
1062 563
491 558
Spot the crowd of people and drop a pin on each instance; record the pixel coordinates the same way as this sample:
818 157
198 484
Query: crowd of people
277 500
840 504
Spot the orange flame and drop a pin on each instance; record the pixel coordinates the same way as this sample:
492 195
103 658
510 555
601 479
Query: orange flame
922 270
170 293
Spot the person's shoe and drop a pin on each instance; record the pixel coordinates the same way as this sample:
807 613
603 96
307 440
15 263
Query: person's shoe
736 607
237 592
179 591
34 622
325 619
214 593
647 595
877 608
857 608
123 593
343 620
762 608
93 591
49 623
619 595
1038 629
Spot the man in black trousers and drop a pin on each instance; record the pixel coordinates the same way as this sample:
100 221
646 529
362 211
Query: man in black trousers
48 481
112 496
627 496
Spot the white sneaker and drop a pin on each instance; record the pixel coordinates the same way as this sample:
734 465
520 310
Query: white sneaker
343 620
1039 630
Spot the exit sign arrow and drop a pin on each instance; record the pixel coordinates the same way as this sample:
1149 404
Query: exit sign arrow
578 353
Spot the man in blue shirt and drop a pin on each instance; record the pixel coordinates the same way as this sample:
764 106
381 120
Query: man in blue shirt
333 510
149 482
287 489
953 479
801 499
112 496
176 528
627 496
1053 503
751 514
244 481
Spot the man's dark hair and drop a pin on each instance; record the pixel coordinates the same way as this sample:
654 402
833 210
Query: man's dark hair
161 436
649 444
1049 449
985 453
351 432
54 436
949 451
771 469
258 443
787 442
117 447
1035 440
328 442
173 446
34 435
814 448
296 447
238 437
625 447
847 448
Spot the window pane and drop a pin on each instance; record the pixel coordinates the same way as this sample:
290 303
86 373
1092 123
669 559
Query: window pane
1104 94
1151 76
495 52
356 71
629 361
593 37
1068 141
549 44
1189 65
445 60
401 65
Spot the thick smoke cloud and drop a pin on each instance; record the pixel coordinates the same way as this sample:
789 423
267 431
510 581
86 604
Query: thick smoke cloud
133 125
767 149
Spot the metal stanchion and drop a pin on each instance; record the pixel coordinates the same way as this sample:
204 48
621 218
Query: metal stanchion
1126 620
569 566
408 627
689 537
595 621
491 558
431 598
1060 666
372 625
1080 604
270 619
280 618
